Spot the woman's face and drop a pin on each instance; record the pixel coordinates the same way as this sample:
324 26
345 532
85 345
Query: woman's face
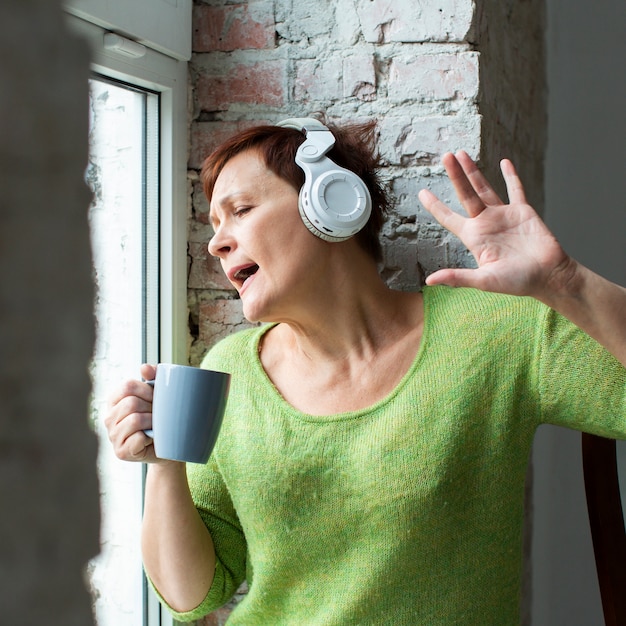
264 248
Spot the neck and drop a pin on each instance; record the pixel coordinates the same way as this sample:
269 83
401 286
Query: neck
348 313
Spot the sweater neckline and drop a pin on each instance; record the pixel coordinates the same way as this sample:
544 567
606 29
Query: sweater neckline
269 387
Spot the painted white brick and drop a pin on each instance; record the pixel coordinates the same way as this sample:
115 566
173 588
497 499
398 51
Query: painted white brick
359 78
348 27
385 21
405 190
409 141
318 80
434 77
306 22
402 270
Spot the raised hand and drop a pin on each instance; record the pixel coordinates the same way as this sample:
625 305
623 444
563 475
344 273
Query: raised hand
515 252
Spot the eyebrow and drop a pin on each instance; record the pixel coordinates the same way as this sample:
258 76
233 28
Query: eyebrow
227 199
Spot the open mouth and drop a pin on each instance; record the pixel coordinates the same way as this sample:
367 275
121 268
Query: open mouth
242 274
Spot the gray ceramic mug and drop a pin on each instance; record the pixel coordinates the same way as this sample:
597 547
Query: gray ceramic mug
187 410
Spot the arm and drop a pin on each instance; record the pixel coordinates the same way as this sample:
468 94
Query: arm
177 548
517 254
595 305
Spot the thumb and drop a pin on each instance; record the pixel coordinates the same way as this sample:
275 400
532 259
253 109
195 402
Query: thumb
148 372
460 277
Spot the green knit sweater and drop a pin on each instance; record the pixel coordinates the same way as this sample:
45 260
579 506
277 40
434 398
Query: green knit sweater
409 512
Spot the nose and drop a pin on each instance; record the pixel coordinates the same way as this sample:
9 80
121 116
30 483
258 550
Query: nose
221 243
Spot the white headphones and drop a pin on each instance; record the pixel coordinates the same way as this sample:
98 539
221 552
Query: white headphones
334 202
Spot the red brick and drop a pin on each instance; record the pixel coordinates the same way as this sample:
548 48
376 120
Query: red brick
260 83
205 271
218 319
206 136
233 27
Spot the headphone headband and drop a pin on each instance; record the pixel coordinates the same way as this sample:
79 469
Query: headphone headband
303 124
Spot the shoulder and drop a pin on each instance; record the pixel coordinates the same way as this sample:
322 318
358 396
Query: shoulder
476 305
469 318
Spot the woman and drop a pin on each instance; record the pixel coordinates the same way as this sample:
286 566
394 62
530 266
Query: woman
371 464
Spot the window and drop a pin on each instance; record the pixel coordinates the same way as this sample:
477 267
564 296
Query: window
123 175
137 172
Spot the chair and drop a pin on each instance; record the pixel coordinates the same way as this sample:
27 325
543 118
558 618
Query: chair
606 519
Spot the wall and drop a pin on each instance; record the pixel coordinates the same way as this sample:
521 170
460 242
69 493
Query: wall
438 77
585 207
48 487
512 100
585 182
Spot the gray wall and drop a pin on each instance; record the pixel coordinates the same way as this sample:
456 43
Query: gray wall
586 208
586 162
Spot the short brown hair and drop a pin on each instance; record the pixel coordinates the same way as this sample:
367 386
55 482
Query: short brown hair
354 149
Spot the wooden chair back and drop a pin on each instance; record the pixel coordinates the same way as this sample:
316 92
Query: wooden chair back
606 519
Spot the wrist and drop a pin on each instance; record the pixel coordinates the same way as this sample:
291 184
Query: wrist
167 470
566 281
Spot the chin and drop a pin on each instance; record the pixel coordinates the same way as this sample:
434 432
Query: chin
266 309
254 313
255 316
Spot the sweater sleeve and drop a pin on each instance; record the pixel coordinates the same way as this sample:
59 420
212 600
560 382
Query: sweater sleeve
214 504
582 386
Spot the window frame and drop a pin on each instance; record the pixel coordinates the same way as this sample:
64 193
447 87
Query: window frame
164 25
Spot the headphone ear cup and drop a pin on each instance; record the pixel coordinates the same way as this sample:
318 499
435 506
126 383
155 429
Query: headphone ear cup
334 202
316 231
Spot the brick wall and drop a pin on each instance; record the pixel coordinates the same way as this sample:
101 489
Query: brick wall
438 76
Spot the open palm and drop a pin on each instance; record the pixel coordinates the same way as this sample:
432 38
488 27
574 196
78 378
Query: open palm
515 252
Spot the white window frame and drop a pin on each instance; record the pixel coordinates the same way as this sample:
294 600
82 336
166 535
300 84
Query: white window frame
167 76
164 25
161 68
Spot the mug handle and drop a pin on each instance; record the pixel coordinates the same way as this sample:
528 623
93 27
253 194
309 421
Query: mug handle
149 432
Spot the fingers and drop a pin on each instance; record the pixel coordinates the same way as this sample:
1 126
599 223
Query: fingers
148 372
514 186
130 413
125 424
131 388
471 187
446 217
137 447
